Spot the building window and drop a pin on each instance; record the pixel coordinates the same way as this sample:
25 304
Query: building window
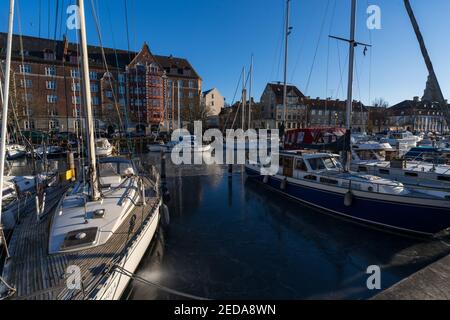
51 98
52 124
121 78
49 55
77 112
95 101
76 100
25 68
76 87
26 83
191 85
50 85
28 125
93 75
53 113
153 68
108 94
94 87
50 71
73 58
122 90
191 94
75 73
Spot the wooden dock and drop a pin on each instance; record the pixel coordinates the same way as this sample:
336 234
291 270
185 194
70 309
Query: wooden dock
430 283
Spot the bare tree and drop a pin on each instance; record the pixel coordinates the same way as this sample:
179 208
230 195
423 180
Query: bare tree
380 103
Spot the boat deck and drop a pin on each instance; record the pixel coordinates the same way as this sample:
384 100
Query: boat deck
36 275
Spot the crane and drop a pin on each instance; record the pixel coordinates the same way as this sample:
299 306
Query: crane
433 92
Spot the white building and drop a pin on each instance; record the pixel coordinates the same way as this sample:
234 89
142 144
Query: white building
213 101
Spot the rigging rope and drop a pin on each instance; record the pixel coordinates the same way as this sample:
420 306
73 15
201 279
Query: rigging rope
158 286
317 47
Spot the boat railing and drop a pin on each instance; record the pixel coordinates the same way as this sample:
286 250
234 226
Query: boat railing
357 185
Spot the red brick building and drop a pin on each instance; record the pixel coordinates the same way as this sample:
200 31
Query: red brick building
135 88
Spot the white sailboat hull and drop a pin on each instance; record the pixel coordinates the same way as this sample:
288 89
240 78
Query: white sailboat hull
116 284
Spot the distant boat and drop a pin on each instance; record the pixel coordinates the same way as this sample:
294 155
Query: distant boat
371 158
188 142
103 148
15 151
50 151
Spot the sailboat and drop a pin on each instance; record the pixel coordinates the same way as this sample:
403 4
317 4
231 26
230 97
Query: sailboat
101 227
319 180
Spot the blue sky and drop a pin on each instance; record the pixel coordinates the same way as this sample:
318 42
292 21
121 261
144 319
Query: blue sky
218 38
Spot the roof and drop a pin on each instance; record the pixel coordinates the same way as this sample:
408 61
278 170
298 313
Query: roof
208 91
278 90
411 106
34 48
34 51
172 64
334 104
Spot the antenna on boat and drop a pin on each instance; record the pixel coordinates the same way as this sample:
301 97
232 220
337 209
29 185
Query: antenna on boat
95 192
4 131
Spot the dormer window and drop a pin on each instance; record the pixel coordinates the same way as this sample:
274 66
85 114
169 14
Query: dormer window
73 58
153 68
49 55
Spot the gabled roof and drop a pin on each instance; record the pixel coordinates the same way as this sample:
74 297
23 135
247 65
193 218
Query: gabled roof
144 55
278 90
172 64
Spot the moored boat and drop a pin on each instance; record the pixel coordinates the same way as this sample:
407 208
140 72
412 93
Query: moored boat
319 181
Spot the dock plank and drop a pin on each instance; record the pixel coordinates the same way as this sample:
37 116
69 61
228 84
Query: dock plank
430 283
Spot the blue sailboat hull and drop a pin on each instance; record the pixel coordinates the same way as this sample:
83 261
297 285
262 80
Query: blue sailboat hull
412 218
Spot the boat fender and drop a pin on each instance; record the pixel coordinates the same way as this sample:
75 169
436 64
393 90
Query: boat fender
283 184
166 195
165 215
266 179
348 199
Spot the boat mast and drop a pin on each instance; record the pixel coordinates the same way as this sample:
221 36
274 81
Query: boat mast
95 192
286 51
352 45
5 114
250 96
244 99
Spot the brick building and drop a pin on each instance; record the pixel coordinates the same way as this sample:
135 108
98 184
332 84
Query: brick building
328 112
272 105
133 89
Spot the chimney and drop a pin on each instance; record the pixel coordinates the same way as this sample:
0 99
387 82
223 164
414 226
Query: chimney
416 99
